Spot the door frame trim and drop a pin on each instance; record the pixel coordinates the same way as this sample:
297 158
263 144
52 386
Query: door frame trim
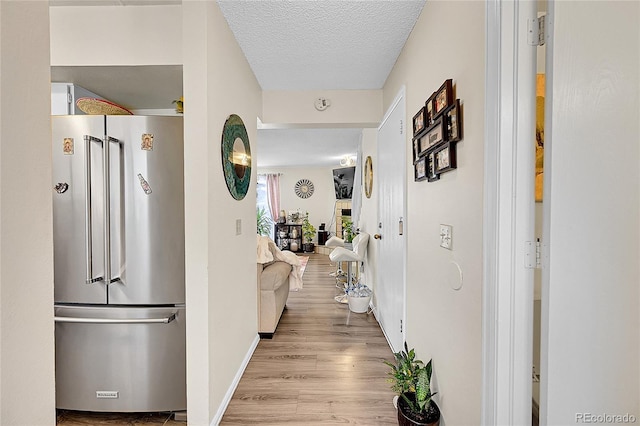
508 217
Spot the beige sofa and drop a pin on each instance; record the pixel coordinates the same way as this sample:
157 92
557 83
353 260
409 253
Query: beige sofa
273 291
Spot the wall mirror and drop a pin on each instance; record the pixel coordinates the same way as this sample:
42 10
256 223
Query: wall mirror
368 176
236 157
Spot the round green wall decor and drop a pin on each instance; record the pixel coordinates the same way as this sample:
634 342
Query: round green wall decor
236 157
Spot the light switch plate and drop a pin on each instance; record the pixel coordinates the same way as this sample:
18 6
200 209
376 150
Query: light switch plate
446 236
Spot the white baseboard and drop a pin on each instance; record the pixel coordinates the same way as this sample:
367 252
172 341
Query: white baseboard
234 384
374 309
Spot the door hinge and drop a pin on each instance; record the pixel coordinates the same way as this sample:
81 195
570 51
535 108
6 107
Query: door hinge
532 255
401 128
400 326
536 31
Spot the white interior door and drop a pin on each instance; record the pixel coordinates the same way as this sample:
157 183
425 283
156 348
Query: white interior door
390 292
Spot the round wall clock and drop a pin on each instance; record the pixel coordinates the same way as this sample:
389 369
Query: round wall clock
304 188
368 177
236 157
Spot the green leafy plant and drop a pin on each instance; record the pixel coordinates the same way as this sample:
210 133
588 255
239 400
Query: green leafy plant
308 230
263 221
347 229
410 378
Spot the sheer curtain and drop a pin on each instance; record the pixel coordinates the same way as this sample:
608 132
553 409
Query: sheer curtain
273 194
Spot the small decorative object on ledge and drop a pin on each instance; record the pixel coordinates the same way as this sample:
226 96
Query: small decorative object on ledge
437 127
179 105
93 106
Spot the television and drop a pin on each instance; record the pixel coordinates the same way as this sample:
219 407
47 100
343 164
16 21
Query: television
343 182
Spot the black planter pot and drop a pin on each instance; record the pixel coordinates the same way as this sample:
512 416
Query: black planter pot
308 247
407 418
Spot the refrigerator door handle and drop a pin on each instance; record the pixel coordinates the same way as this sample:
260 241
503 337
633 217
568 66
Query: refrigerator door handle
77 320
106 186
90 279
108 140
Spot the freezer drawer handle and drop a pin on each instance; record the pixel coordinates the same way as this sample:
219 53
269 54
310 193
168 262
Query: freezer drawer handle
166 320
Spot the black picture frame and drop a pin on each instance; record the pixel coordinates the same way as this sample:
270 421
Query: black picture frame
443 98
415 144
432 176
433 137
418 122
453 120
445 158
420 169
428 110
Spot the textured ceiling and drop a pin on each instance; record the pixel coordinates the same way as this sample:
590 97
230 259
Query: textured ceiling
321 44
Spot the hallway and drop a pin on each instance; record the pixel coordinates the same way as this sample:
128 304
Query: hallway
323 365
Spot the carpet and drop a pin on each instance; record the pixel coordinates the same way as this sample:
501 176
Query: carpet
303 263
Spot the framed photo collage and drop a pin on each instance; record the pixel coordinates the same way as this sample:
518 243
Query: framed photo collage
436 129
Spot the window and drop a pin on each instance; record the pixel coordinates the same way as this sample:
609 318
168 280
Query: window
262 203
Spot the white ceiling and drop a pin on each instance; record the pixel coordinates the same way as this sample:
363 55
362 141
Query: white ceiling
305 147
290 45
321 45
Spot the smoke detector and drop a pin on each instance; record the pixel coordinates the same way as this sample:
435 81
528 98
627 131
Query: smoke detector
322 103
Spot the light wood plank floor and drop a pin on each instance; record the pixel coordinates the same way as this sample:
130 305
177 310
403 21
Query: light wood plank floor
323 366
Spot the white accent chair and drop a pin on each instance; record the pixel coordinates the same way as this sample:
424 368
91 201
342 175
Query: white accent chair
358 254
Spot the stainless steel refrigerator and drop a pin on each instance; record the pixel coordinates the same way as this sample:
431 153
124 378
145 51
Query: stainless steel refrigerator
118 209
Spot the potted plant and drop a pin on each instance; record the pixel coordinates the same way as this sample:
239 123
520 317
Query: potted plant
347 229
308 232
411 380
263 221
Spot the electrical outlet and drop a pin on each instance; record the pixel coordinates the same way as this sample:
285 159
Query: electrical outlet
446 236
238 226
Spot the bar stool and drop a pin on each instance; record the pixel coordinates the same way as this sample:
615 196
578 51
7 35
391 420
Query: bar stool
334 242
359 252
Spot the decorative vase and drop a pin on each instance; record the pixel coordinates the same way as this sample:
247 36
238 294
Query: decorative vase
294 246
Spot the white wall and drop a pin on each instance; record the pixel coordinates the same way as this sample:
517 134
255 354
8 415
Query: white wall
320 205
444 324
355 108
26 248
107 35
221 266
594 231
